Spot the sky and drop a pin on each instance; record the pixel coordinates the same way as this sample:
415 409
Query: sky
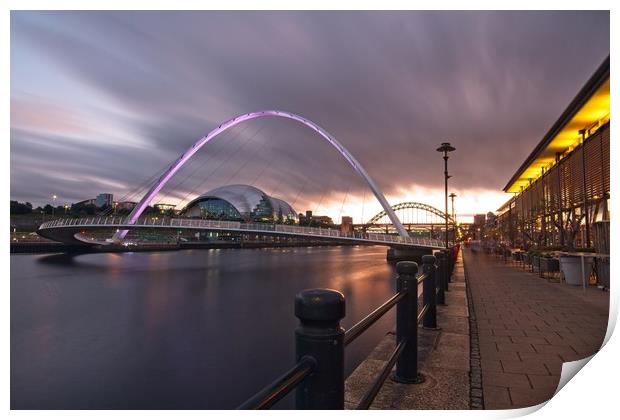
106 101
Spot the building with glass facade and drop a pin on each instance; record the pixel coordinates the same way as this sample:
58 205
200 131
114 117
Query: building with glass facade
104 199
240 202
562 189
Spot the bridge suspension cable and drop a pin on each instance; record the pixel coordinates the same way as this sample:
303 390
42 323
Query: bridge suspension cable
157 186
199 165
221 164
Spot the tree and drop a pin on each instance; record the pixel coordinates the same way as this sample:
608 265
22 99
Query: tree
20 208
168 213
149 210
81 209
570 228
91 209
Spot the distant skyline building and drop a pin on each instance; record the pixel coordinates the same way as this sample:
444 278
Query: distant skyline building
124 205
90 201
346 224
480 219
323 219
491 221
163 207
310 219
104 199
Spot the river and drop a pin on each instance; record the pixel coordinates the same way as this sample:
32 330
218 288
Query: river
190 329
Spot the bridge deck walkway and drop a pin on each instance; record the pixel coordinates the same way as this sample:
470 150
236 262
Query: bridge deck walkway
527 327
68 227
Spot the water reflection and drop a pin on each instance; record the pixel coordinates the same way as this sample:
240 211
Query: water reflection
186 329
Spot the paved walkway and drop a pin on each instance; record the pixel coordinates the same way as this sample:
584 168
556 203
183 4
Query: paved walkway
443 357
527 328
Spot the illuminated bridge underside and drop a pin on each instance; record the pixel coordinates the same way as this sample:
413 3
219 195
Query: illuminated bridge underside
407 217
74 231
174 168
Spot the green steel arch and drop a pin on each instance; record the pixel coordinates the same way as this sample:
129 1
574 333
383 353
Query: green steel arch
411 205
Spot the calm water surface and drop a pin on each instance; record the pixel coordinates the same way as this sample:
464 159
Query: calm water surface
188 329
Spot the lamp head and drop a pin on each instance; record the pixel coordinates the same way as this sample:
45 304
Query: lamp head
445 147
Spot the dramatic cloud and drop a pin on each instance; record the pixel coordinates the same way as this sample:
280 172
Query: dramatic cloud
101 101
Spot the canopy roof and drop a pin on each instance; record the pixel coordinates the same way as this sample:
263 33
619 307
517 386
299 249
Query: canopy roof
588 110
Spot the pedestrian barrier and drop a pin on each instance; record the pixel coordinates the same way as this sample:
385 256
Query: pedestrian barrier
252 228
320 341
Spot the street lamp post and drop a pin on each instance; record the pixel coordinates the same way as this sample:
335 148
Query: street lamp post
452 196
445 148
54 197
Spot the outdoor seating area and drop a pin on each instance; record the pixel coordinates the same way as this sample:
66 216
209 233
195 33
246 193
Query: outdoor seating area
585 269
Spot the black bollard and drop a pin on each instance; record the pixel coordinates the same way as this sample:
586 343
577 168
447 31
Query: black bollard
429 292
451 265
441 295
446 271
407 324
320 337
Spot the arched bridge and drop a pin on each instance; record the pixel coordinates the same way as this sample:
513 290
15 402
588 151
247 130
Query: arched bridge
324 134
69 231
412 217
76 231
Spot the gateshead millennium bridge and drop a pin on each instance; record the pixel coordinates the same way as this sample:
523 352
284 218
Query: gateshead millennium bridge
74 231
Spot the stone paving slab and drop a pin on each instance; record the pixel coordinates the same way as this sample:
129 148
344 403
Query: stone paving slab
528 327
443 358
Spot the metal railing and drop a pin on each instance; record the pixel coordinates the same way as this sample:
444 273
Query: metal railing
320 341
269 228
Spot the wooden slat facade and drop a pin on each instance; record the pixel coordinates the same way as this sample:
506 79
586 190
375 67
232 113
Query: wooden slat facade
559 195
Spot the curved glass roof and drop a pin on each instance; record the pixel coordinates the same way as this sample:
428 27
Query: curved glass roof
249 201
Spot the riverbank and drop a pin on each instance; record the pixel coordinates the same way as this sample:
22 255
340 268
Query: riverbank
39 247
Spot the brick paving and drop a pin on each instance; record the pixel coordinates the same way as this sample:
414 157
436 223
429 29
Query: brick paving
528 327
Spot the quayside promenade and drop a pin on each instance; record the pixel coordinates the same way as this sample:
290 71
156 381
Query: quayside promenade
527 327
502 348
443 358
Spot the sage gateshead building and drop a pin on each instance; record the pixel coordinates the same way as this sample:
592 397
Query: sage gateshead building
240 203
562 189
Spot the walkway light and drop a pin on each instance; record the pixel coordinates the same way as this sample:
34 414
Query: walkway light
54 197
445 148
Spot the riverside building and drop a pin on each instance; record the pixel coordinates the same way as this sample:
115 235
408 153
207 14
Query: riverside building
562 189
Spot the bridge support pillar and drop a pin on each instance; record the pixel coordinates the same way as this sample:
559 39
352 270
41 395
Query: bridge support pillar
406 254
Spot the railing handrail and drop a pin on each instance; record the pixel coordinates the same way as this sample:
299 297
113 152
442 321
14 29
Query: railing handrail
374 389
422 277
356 330
280 387
260 227
329 316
